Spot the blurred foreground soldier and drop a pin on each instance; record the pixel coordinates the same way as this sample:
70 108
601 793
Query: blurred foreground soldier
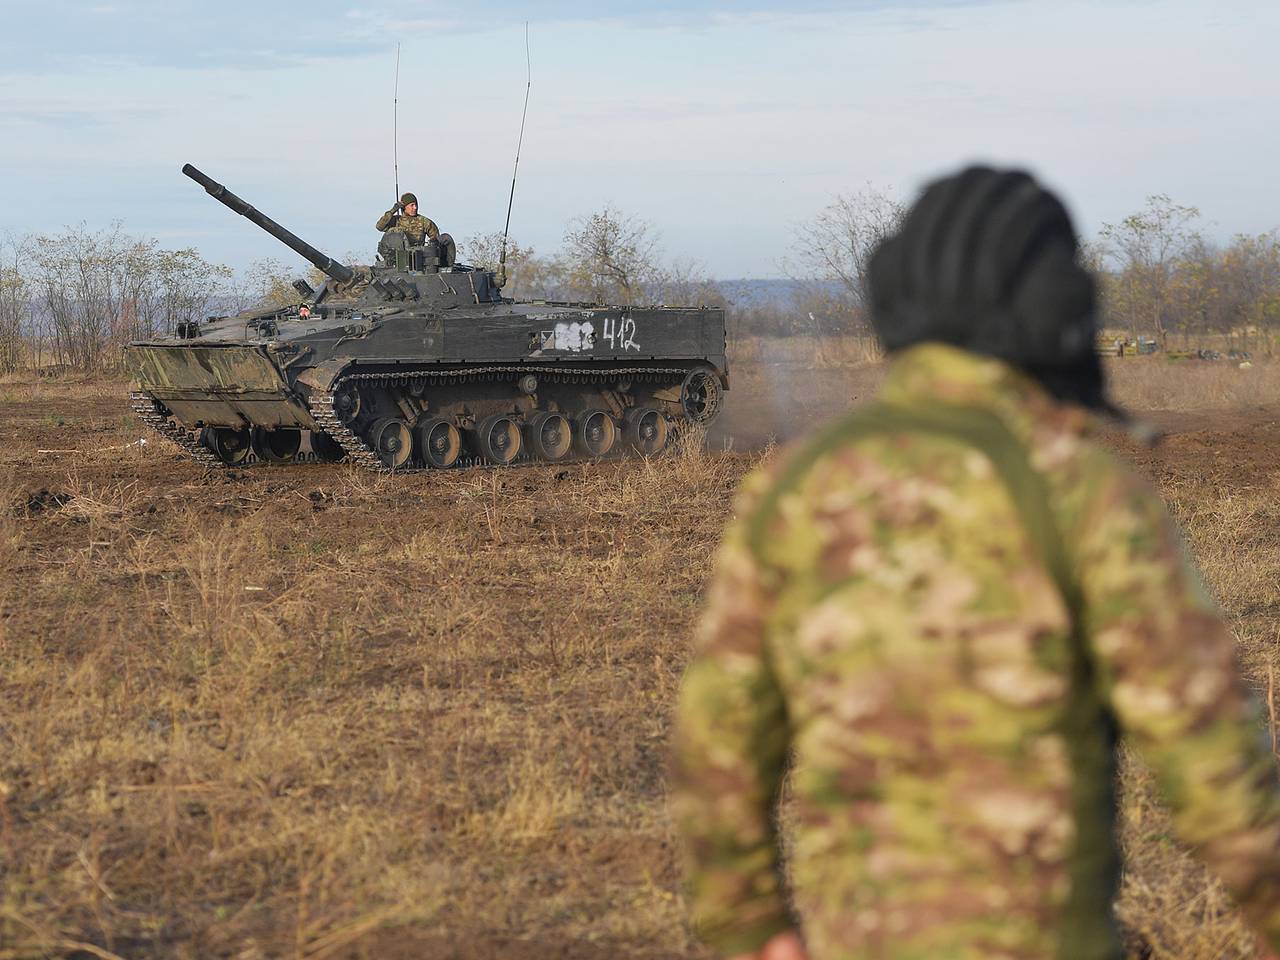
404 217
947 607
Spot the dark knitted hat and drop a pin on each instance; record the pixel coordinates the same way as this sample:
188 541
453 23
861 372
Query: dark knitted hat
987 260
408 198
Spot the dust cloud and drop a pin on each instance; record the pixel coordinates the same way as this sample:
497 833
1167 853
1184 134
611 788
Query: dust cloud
779 401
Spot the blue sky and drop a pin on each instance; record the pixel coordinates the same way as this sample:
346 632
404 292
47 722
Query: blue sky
722 124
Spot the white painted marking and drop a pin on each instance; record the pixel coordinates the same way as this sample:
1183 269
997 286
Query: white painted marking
621 334
574 337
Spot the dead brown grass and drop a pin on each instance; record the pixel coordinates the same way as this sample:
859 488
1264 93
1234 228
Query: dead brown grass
810 352
320 713
289 714
1171 904
1157 383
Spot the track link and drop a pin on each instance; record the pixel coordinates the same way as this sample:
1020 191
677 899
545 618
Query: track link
148 411
321 405
357 451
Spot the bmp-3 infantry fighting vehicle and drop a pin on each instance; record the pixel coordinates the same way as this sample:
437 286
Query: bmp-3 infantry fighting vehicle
421 362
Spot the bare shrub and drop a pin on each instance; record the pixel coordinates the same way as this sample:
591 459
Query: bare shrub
98 290
15 303
837 244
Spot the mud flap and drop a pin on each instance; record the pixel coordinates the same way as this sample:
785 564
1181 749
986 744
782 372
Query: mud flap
322 377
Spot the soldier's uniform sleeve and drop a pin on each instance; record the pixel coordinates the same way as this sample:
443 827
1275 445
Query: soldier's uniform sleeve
387 220
730 746
1167 665
432 230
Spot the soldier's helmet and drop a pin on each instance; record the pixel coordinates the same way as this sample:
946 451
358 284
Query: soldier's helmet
988 260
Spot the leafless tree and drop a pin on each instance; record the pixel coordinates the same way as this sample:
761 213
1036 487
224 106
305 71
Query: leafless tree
837 244
1233 291
682 282
609 255
15 302
98 290
1251 274
829 259
269 283
74 279
1146 248
529 275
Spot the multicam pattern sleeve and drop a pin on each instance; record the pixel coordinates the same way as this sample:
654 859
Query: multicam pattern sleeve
417 228
730 747
1167 666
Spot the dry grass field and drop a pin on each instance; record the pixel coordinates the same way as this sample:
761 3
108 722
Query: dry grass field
314 712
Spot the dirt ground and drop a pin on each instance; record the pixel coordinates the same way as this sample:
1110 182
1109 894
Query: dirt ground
315 712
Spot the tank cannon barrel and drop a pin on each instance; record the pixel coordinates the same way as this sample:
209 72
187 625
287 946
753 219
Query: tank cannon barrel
327 265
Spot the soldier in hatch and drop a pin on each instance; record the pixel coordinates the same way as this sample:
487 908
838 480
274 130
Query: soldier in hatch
404 216
946 608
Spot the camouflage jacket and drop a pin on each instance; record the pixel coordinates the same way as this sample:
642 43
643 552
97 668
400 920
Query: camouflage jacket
882 616
417 228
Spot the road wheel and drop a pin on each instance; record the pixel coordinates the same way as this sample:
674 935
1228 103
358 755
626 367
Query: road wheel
498 437
229 445
346 402
391 441
549 436
439 443
700 396
594 433
647 431
276 446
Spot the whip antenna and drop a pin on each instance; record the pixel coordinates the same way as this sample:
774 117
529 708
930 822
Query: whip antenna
528 64
395 123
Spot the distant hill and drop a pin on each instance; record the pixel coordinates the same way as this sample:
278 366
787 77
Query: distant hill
748 292
757 292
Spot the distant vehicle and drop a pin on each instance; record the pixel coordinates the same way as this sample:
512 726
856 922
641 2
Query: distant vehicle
416 362
1109 345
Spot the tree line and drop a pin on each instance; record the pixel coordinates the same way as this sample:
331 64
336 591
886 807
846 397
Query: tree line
1159 274
74 299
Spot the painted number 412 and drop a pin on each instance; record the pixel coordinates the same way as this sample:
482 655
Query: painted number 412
621 333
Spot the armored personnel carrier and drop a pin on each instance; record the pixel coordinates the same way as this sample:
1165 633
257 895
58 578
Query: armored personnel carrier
420 362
